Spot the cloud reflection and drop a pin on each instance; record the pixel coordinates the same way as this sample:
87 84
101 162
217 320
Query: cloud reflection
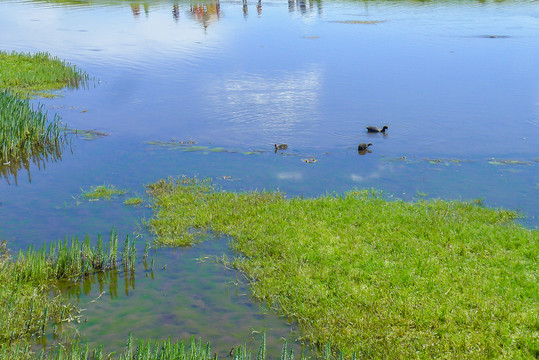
279 105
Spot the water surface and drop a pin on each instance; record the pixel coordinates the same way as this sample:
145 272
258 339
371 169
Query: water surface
456 82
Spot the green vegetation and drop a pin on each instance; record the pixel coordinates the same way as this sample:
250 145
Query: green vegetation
25 131
25 73
26 305
386 279
146 350
87 134
134 201
102 192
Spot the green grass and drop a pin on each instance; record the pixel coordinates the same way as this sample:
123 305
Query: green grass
32 74
147 350
386 279
26 305
134 201
25 130
102 192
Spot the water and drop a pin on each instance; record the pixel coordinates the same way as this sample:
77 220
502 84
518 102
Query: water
456 82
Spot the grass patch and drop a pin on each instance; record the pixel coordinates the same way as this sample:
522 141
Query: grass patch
384 279
26 131
32 74
102 192
134 201
26 305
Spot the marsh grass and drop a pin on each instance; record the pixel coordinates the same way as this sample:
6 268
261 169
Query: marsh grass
33 74
72 260
194 349
25 130
105 192
384 279
26 304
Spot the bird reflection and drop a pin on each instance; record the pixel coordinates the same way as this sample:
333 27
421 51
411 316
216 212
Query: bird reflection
363 152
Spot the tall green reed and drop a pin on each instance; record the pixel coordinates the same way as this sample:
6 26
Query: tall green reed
71 260
25 131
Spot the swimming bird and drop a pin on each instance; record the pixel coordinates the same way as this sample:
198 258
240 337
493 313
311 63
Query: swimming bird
363 146
281 146
377 129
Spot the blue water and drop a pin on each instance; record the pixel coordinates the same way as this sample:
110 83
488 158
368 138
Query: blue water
457 83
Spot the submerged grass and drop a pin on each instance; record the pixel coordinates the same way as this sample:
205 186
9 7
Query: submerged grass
30 74
102 192
384 279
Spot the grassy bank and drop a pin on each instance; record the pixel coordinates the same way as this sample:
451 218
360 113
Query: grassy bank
386 279
30 74
26 132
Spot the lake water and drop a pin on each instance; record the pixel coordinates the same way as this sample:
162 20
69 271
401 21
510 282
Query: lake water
457 83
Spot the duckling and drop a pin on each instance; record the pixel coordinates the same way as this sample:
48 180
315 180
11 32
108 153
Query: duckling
281 146
377 129
363 146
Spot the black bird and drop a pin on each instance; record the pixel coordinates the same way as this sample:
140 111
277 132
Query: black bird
377 129
281 146
363 146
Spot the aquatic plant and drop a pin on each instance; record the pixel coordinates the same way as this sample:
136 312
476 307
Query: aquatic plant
87 134
26 304
26 309
381 278
71 260
31 74
133 201
194 349
25 130
102 192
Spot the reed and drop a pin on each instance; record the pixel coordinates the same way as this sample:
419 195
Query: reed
31 74
167 350
25 130
26 305
72 260
383 279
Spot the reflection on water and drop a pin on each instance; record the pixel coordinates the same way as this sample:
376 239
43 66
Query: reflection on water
456 81
35 159
185 294
106 283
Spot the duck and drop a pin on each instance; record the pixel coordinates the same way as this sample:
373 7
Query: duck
377 129
281 146
363 146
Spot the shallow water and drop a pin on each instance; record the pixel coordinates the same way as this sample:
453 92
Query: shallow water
456 82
